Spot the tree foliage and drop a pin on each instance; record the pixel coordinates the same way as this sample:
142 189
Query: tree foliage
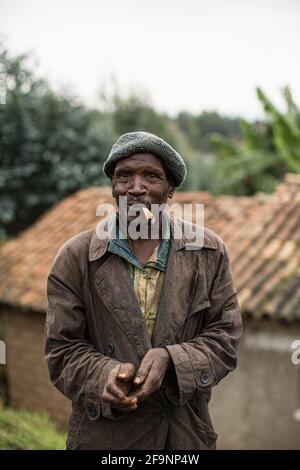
50 145
198 128
265 153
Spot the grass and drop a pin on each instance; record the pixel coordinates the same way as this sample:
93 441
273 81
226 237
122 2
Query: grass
23 430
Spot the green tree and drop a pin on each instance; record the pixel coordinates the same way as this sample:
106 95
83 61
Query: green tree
50 145
198 128
135 113
267 151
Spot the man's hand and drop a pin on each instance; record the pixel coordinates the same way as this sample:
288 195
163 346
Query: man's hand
117 387
151 372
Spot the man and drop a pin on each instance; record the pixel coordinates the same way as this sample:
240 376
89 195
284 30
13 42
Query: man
139 330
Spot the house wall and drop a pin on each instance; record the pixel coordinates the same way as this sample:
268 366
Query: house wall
255 407
29 385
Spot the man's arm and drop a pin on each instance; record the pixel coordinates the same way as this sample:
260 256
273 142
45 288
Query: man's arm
76 368
203 361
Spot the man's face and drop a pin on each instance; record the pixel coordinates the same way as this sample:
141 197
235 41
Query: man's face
142 178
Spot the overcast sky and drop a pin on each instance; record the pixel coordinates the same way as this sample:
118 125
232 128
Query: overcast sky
187 55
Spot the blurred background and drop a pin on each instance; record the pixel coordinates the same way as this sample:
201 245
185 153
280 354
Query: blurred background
219 81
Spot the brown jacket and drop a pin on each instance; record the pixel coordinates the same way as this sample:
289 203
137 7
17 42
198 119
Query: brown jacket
94 322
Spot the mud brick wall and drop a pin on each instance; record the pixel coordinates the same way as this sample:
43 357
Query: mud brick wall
29 385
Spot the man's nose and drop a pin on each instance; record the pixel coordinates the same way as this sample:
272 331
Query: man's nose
137 187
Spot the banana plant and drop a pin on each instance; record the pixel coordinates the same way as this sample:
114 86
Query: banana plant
267 151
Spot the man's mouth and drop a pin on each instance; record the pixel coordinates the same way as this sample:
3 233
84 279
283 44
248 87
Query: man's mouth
142 208
138 205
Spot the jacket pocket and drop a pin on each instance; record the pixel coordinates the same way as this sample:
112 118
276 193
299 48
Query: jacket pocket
199 299
198 307
194 321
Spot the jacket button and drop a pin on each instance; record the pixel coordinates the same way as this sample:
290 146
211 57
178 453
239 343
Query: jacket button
92 411
204 378
110 349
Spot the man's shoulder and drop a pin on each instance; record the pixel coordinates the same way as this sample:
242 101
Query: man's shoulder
77 245
212 239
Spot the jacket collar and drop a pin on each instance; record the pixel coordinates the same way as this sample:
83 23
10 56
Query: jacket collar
98 246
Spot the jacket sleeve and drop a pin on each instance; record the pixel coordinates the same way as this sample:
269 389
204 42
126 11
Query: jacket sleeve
75 367
203 361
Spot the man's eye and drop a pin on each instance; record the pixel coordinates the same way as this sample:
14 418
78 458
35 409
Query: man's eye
152 175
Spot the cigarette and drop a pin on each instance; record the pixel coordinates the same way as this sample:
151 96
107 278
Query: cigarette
148 214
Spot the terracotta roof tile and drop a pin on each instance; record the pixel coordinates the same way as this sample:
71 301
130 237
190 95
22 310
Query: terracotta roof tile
262 234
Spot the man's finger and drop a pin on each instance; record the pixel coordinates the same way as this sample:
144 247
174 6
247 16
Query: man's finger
115 390
148 387
126 371
142 372
128 402
142 393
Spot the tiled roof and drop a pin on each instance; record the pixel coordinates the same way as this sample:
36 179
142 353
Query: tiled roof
265 256
262 234
26 260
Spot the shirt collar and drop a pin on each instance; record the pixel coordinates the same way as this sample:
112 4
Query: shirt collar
100 236
121 247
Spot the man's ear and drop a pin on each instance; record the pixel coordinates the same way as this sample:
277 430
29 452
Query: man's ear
111 182
171 191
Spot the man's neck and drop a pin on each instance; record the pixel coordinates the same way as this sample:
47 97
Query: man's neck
143 249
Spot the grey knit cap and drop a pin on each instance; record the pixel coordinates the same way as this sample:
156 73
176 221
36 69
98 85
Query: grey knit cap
144 142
